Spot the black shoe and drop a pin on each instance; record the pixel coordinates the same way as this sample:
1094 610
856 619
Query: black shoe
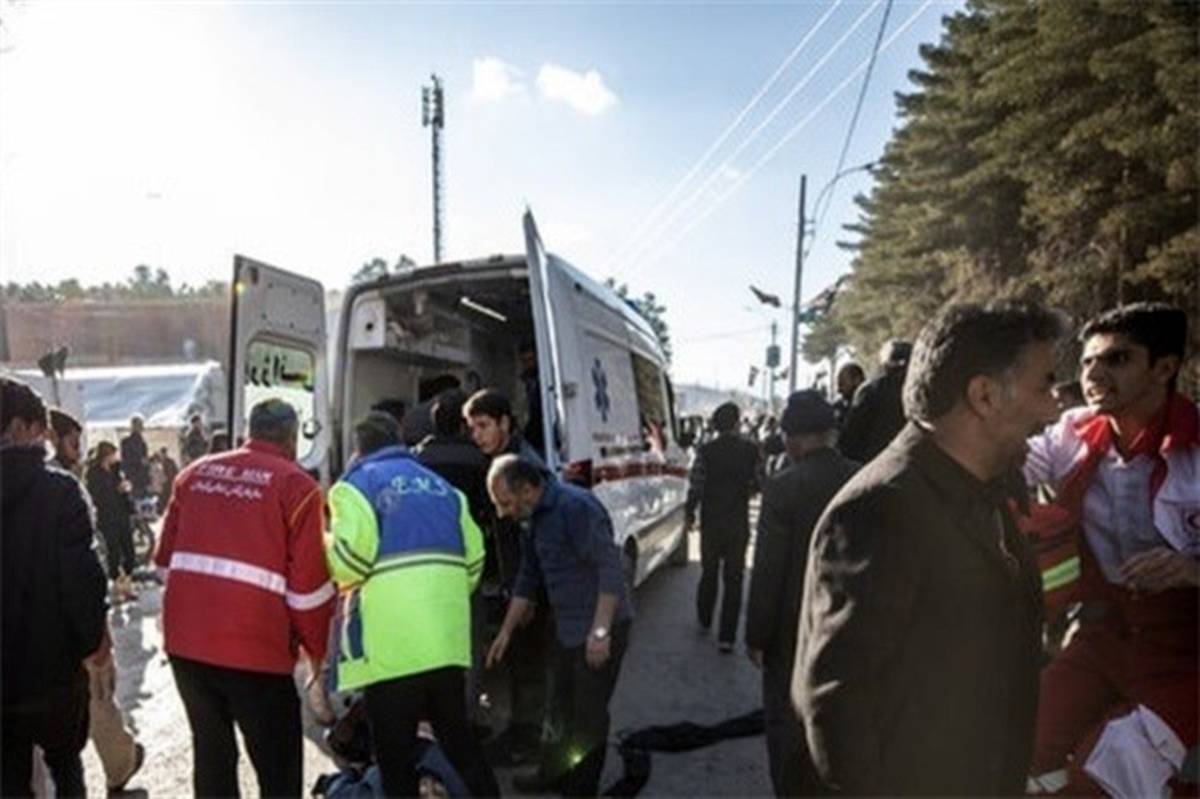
510 748
536 781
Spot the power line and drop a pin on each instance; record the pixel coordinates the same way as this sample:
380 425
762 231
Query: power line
650 240
819 214
782 142
727 334
663 203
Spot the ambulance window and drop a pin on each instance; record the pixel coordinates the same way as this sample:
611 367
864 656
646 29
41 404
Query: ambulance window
671 410
652 402
283 372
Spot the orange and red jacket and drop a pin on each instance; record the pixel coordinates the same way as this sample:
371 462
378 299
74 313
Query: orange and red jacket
247 582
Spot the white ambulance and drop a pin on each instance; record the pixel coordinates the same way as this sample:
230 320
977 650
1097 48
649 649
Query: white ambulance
607 403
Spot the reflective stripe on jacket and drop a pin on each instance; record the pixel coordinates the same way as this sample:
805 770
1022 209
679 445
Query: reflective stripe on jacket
247 581
405 545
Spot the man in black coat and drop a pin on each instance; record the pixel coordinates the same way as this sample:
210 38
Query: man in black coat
451 454
54 612
791 504
877 413
723 476
920 627
135 457
494 430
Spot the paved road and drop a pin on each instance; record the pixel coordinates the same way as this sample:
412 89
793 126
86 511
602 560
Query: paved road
671 673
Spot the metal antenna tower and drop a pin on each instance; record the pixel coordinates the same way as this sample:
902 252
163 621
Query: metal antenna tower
433 116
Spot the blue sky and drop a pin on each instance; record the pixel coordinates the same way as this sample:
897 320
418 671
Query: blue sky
177 135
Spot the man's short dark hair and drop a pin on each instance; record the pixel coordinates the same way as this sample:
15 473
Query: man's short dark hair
195 417
896 351
64 423
428 389
274 420
515 471
396 408
447 412
19 401
725 418
966 340
375 431
851 368
489 402
1157 326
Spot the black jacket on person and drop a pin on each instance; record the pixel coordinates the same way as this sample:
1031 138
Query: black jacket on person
114 508
920 630
463 466
505 534
792 501
54 589
723 477
875 416
135 459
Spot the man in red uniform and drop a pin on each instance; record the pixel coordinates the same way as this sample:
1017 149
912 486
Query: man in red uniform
1119 704
247 584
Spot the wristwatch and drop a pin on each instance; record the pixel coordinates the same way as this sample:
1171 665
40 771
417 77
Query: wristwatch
600 633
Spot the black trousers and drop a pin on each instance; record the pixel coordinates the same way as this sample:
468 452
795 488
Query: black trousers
579 715
396 707
118 547
60 727
528 661
264 707
791 766
724 553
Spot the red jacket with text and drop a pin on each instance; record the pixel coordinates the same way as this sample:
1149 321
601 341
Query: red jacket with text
247 582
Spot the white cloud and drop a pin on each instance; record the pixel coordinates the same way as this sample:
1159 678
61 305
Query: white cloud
583 91
494 80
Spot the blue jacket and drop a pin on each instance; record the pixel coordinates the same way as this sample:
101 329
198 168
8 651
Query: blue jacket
569 548
405 543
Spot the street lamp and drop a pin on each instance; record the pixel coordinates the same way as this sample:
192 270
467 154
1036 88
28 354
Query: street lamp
801 252
833 181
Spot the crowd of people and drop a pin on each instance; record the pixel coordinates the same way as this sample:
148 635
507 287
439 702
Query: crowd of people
969 578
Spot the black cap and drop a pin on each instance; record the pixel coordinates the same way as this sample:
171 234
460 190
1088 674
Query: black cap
807 412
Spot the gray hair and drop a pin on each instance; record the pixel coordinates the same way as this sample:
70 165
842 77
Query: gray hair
274 420
515 471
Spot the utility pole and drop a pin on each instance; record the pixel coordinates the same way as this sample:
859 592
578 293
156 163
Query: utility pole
773 351
433 116
796 291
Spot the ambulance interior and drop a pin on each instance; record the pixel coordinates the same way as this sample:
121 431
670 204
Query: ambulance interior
474 331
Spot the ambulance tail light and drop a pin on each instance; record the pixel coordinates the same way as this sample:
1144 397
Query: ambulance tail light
579 473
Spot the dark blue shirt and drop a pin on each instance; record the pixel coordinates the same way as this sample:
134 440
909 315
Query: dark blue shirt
569 548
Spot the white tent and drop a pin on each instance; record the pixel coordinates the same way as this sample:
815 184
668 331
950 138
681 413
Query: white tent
166 396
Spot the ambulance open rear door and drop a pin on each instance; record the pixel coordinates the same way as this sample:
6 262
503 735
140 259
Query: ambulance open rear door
278 350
